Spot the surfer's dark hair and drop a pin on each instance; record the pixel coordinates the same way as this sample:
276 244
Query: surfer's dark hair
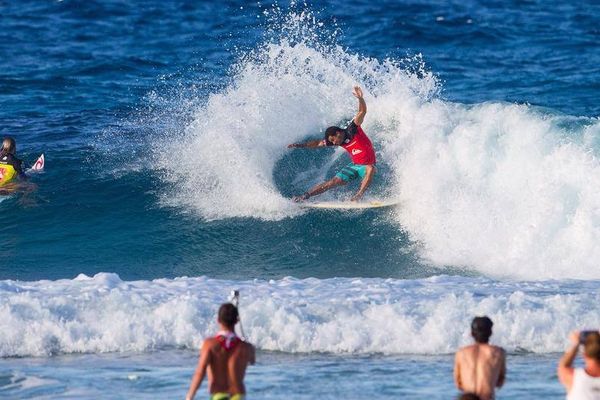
228 315
331 131
481 329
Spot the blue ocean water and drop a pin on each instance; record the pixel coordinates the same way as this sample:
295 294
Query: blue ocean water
167 184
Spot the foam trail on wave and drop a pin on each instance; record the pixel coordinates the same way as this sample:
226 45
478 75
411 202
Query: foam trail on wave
282 92
429 316
508 190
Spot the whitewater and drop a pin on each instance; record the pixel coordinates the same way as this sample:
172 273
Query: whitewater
509 190
337 315
504 194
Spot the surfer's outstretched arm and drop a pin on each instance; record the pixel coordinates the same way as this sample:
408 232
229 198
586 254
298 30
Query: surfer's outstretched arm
311 144
362 106
365 183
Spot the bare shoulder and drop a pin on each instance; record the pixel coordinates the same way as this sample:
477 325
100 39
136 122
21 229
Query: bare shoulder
497 353
498 350
247 352
248 346
466 349
210 343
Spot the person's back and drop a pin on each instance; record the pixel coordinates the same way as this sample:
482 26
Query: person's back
227 367
224 358
480 368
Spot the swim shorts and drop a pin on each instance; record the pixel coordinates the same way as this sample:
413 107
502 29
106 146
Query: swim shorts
226 396
351 172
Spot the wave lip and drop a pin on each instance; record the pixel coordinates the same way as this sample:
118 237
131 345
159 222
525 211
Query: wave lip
507 190
340 315
290 87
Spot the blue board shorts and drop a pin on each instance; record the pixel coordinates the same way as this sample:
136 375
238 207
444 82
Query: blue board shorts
351 172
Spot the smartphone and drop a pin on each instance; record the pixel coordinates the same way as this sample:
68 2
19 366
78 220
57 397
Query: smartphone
583 335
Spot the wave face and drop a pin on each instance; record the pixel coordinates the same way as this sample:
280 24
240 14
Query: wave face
341 315
186 170
281 93
508 190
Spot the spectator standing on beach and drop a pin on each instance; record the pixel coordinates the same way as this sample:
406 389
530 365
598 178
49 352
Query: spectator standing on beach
225 357
581 383
480 368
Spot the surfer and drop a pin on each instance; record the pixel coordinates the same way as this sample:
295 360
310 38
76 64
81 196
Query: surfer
226 357
354 140
10 166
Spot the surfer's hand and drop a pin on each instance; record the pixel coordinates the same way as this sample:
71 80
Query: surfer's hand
293 145
357 92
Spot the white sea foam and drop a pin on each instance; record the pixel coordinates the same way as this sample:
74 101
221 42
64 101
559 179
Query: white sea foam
281 93
508 190
501 187
341 315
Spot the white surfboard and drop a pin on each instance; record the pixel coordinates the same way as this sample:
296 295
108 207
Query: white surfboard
38 165
350 205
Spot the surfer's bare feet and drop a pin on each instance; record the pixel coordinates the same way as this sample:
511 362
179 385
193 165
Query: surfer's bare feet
301 198
356 197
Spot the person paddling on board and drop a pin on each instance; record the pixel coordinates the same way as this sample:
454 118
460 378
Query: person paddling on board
10 166
354 140
226 357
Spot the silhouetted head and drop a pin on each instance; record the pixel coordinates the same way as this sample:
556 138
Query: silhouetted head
481 329
228 315
335 135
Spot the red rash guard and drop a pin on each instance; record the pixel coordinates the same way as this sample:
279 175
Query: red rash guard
358 145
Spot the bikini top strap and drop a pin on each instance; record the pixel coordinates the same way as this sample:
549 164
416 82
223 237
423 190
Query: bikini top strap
228 340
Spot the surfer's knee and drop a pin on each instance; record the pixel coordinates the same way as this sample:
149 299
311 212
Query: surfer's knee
337 181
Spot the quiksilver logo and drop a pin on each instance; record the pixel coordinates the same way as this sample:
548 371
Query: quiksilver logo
356 151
